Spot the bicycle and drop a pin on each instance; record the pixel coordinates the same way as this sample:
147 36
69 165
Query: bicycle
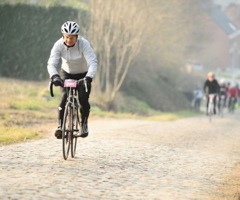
211 106
71 118
221 104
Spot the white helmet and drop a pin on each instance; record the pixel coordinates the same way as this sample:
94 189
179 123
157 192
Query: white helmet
222 81
70 27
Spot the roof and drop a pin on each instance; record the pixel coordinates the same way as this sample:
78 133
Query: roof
222 20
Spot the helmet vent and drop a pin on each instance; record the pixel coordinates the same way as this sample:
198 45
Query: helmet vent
70 27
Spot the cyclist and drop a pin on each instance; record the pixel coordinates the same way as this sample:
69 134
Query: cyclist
211 86
223 91
197 97
232 93
78 61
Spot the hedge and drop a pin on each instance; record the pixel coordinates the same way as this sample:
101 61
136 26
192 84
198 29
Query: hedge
27 36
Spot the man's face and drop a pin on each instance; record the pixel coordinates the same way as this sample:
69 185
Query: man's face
211 77
70 40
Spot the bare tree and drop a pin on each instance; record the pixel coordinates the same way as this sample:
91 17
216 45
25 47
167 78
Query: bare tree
174 30
116 31
80 4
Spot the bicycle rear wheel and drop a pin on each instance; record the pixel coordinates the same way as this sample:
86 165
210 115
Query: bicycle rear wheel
67 131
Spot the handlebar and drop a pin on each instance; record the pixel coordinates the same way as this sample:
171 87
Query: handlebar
50 86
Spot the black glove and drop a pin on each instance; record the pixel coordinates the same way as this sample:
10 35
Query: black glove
56 80
88 79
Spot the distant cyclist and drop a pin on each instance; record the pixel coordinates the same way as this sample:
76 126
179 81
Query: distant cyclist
223 91
211 86
197 97
78 61
232 95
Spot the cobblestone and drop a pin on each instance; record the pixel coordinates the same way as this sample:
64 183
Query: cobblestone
126 159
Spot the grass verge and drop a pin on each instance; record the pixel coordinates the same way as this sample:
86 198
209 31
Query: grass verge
10 135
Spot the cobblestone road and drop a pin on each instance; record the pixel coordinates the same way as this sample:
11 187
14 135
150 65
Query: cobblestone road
127 159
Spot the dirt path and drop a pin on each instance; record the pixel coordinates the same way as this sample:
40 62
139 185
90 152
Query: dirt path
130 159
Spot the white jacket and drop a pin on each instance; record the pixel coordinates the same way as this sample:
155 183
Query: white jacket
77 59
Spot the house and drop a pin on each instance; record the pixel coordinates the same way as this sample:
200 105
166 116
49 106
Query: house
221 46
233 13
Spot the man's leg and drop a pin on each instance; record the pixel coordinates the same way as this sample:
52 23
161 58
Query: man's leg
61 108
207 105
219 102
84 122
214 105
229 102
85 108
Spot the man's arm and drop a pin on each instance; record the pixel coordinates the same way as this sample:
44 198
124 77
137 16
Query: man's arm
90 58
54 60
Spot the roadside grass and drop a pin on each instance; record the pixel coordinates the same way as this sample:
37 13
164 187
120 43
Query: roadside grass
156 116
10 135
173 116
25 106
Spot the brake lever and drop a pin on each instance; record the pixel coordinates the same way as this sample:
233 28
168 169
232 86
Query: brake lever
85 84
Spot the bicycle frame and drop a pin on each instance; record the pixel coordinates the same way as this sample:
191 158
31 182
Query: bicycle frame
211 106
71 86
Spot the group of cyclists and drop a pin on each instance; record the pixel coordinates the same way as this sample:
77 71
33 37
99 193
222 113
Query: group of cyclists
222 90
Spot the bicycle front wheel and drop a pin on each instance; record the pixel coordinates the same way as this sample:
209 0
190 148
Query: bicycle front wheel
232 106
76 126
67 131
221 108
210 111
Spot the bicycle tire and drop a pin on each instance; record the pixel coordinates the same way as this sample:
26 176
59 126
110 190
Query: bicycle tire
74 137
221 107
232 106
221 111
210 111
67 131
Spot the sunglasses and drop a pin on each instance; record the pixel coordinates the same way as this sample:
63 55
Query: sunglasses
69 36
